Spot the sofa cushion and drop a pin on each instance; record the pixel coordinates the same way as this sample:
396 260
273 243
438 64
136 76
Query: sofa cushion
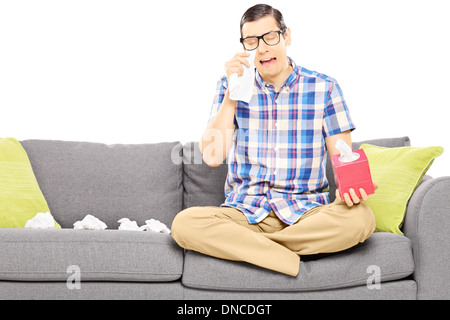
203 185
390 254
398 172
105 255
110 182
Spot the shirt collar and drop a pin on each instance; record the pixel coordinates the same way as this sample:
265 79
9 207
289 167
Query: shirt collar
289 81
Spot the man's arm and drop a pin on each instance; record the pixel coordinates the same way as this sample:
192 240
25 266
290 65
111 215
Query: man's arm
331 141
352 198
216 139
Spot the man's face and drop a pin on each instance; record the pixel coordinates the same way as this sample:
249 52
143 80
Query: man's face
271 61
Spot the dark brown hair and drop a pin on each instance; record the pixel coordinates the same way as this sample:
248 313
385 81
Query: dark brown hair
262 10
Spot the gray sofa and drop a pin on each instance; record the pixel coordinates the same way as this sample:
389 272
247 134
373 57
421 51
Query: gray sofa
157 181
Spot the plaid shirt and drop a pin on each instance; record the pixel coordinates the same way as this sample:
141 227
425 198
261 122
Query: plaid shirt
278 156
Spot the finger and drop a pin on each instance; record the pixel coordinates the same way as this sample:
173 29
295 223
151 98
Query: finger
236 62
242 54
244 62
235 68
241 58
347 200
233 63
338 195
239 62
364 195
239 70
355 198
375 186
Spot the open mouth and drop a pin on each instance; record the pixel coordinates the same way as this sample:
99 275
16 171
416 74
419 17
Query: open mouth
268 61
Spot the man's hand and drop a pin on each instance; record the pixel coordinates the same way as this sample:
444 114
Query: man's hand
235 64
352 199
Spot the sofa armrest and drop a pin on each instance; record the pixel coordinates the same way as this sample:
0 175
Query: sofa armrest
427 225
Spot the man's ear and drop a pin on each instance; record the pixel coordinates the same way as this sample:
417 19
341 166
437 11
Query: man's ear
287 36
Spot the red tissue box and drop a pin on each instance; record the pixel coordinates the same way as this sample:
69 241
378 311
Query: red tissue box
354 174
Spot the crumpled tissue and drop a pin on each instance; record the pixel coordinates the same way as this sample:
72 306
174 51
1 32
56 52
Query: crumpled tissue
126 224
150 225
241 88
156 226
41 221
90 223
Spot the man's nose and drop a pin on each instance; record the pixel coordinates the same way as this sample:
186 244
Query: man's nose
262 48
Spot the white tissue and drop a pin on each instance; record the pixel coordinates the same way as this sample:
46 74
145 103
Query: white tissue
127 224
155 226
347 155
150 225
241 88
89 223
41 221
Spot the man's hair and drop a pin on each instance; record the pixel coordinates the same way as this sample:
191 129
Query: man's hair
260 11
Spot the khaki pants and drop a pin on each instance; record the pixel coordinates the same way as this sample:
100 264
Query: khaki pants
224 232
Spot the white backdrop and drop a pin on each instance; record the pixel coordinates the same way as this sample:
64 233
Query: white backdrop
145 71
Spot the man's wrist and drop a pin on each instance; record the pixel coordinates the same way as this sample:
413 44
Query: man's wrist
227 100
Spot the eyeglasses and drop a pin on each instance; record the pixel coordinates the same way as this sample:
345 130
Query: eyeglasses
271 38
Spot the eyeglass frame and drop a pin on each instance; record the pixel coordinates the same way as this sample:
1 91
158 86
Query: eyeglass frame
280 32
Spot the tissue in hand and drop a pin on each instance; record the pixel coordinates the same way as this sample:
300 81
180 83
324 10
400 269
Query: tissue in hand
241 88
351 170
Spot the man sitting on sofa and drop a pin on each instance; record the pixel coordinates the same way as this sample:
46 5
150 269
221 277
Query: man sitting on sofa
277 206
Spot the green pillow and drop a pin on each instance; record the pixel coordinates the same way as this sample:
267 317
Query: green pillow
398 172
20 196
